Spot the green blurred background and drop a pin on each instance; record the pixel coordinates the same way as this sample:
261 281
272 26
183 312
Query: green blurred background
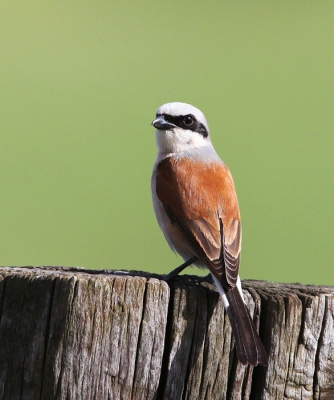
80 84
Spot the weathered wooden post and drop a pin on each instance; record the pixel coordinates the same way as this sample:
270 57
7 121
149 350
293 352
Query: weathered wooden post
69 333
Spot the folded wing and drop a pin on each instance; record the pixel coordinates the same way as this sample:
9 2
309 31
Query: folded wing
204 206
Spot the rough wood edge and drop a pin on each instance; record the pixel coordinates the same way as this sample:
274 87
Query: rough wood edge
296 323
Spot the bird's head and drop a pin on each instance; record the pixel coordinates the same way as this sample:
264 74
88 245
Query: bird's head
180 127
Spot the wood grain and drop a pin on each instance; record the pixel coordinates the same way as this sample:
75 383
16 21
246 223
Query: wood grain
70 333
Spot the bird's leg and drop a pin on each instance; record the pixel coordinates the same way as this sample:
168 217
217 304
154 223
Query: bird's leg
179 269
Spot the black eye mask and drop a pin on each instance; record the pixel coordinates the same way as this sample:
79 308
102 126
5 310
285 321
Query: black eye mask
187 122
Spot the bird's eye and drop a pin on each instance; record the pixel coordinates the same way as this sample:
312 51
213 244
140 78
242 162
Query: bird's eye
188 120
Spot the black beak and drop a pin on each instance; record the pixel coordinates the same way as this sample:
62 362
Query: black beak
161 124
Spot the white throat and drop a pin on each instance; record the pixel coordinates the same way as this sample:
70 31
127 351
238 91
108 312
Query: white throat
179 140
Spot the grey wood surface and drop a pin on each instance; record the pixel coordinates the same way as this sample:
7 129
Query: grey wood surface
70 333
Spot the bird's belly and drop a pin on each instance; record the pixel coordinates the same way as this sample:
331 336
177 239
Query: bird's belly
172 234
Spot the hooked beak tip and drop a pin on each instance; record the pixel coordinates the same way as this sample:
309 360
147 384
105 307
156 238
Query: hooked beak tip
161 124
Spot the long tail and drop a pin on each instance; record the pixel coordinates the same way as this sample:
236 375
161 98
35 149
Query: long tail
249 347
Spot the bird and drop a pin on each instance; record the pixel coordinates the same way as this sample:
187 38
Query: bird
196 205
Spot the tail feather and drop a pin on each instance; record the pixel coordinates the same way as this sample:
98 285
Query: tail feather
249 347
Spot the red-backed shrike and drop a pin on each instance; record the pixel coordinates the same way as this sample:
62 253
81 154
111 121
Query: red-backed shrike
197 209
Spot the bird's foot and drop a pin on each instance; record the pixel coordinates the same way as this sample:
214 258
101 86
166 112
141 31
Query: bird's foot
206 278
179 269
